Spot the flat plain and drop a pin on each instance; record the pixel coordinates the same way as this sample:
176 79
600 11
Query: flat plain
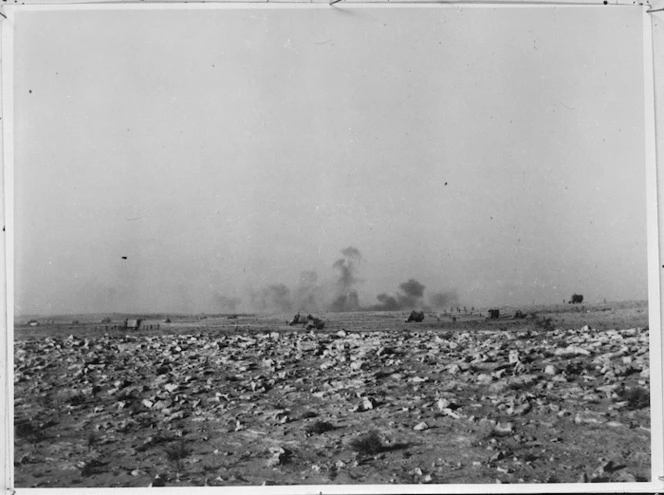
557 394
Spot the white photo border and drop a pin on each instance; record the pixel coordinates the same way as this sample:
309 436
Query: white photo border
653 54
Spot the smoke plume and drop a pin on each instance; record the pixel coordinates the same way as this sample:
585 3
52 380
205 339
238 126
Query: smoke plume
345 296
387 303
411 294
272 298
338 294
309 295
409 297
441 300
225 303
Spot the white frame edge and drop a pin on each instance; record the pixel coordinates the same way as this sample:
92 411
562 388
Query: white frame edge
655 280
654 258
7 249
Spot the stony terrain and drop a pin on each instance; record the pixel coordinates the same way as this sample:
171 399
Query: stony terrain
558 396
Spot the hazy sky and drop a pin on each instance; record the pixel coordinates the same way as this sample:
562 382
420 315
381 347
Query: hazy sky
496 152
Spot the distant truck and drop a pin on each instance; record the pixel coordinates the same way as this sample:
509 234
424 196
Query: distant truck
416 316
576 299
309 322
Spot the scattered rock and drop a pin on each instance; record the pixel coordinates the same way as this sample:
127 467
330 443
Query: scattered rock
279 456
572 351
249 383
590 417
503 429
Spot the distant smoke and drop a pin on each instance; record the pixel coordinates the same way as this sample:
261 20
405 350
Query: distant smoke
412 294
225 303
337 295
387 303
410 297
345 297
441 300
346 267
311 296
349 301
272 298
351 252
308 295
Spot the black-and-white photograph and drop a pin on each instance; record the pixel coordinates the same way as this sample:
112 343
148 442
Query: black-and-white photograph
329 245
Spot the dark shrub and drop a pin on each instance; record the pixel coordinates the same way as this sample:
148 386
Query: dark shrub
367 444
637 398
318 427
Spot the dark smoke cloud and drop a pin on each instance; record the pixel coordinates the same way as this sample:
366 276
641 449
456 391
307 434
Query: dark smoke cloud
225 303
410 297
387 303
441 300
307 296
412 288
275 297
345 296
349 301
352 253
339 294
411 294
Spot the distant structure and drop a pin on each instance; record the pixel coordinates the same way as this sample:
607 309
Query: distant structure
494 314
33 323
576 299
132 324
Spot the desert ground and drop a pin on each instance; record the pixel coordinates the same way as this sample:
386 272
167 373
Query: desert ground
559 395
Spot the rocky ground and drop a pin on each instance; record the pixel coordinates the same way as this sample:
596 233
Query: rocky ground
368 399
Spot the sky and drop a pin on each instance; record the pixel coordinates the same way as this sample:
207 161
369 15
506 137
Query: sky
206 160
